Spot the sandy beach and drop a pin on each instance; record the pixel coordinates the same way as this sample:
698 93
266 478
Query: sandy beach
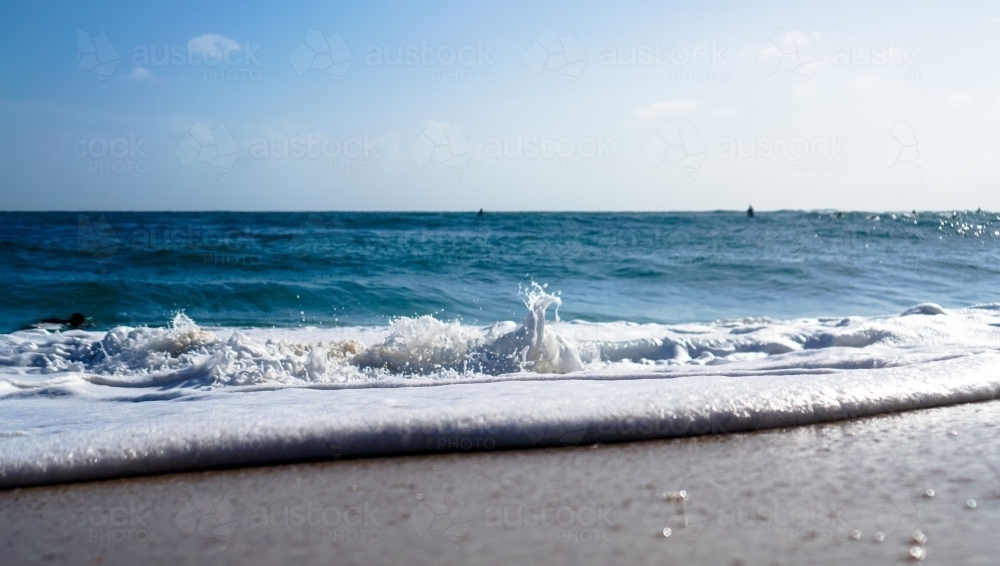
821 494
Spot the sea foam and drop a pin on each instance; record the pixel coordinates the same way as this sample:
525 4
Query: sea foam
86 405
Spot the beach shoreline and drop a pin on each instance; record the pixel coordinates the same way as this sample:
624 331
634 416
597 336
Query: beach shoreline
815 493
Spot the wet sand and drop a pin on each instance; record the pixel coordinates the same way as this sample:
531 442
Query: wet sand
818 494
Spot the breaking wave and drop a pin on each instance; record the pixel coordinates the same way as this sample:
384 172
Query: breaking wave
185 355
88 405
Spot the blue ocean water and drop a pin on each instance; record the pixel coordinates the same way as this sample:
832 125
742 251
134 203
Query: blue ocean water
352 268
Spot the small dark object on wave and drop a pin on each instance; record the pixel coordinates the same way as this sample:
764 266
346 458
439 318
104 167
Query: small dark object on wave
75 320
480 213
750 212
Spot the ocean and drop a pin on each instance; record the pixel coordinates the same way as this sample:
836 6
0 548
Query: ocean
221 339
367 269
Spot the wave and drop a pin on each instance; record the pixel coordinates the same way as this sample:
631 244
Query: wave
187 356
134 400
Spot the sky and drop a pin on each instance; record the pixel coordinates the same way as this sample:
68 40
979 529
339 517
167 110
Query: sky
447 106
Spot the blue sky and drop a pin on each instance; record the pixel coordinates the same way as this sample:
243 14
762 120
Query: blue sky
505 106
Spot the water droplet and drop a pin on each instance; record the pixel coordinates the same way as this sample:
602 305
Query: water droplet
917 553
420 497
929 493
953 432
880 536
856 534
971 504
919 537
354 488
667 532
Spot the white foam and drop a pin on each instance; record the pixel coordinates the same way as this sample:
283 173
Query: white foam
82 405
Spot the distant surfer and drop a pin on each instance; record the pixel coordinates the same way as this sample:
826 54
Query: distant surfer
840 214
480 213
75 320
750 212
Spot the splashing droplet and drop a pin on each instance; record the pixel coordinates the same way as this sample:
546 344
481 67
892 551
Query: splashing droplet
917 553
856 534
880 536
971 504
667 532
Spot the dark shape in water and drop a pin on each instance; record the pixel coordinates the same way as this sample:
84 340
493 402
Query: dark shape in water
75 320
480 213
750 212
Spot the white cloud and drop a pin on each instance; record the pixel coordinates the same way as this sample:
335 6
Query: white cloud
141 74
658 110
212 45
959 100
